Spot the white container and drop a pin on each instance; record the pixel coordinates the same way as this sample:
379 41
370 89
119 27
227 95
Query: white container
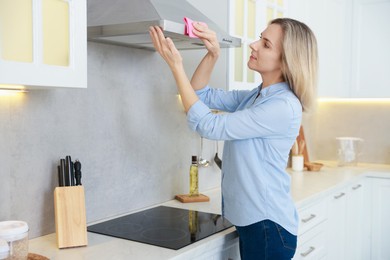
4 249
349 150
297 163
16 235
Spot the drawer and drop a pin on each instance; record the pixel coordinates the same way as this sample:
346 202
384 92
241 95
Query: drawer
311 216
312 244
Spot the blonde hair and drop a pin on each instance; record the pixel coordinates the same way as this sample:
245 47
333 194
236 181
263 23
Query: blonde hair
299 59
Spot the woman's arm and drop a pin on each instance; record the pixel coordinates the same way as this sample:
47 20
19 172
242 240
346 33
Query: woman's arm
166 48
221 99
203 72
271 119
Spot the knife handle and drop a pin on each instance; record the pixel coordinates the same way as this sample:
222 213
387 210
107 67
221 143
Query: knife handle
77 174
71 174
65 177
60 176
68 171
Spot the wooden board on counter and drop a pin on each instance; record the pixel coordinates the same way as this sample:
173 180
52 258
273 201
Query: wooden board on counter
186 198
32 256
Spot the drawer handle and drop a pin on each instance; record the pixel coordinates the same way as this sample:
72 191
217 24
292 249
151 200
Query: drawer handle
308 252
305 220
339 196
357 187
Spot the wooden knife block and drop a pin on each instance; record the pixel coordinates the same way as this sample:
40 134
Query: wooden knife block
70 217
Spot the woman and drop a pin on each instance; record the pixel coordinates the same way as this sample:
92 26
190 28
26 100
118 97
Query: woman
259 129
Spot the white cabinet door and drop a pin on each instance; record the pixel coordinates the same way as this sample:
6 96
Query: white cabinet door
336 232
246 22
43 43
353 39
330 21
247 19
312 244
312 231
349 222
380 219
370 44
357 243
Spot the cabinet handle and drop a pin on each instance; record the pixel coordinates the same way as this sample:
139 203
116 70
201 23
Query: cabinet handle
339 196
305 220
308 252
357 187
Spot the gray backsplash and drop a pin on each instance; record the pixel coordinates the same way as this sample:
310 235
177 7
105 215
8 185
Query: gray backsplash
368 120
127 128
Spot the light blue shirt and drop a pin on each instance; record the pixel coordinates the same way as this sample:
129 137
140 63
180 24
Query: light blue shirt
258 133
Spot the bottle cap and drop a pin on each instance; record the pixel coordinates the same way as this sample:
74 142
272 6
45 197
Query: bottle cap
194 159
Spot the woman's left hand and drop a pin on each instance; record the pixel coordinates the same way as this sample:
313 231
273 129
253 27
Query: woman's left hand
208 37
165 47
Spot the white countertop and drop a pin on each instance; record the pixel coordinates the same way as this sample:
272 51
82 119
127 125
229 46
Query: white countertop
306 186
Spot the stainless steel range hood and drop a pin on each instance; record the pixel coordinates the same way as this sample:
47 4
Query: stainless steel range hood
127 22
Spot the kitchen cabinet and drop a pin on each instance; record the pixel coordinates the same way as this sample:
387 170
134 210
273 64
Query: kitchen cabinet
380 225
336 233
357 243
248 18
348 222
352 37
370 42
330 21
311 245
43 43
245 22
336 226
312 231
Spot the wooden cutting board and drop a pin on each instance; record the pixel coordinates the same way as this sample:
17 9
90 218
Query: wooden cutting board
300 137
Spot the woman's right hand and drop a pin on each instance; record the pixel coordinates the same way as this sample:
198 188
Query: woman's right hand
208 37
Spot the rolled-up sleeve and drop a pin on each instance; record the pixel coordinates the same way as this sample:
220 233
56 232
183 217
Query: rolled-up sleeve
221 99
269 119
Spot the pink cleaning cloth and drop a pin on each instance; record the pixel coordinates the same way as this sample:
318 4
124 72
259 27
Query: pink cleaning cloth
189 27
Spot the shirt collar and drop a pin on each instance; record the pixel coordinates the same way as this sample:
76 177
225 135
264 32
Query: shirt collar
272 88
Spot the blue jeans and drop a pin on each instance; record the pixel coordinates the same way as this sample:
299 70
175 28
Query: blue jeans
266 240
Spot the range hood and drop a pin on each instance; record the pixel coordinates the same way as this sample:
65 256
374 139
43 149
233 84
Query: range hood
127 22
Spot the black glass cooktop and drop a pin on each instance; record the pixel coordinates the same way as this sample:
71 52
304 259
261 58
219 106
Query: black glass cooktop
163 226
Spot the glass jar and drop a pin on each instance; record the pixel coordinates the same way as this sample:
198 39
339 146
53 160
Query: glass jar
350 149
4 249
16 235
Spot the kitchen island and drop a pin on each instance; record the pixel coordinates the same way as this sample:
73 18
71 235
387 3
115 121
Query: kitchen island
307 188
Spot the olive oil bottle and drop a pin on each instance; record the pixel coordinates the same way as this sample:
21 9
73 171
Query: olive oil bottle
193 195
194 188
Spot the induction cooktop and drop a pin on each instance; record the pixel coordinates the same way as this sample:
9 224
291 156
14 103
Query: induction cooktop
163 226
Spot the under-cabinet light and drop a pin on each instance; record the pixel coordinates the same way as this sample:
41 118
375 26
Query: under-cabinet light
354 100
11 91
